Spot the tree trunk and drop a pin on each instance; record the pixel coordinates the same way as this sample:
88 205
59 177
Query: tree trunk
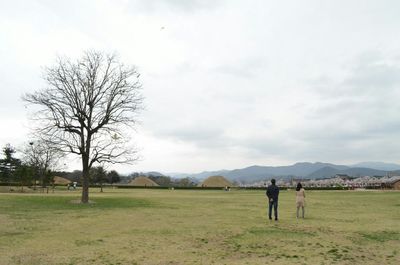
85 180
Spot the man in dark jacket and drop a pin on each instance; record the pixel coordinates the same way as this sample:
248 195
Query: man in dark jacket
272 194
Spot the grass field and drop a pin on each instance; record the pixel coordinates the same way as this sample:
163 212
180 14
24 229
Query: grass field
139 226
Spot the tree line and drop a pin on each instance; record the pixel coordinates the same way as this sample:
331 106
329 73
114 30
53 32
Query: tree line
40 164
166 181
34 168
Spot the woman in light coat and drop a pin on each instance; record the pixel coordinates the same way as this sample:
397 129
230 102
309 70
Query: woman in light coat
300 199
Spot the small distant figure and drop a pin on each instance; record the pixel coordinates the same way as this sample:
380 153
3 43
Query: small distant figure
71 185
273 194
300 199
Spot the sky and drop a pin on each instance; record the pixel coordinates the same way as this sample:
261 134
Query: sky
227 84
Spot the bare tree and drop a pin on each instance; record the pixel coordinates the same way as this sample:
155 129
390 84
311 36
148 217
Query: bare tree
86 109
43 159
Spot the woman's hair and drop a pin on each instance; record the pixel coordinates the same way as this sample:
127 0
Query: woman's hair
299 186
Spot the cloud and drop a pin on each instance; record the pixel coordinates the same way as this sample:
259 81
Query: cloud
355 117
191 6
369 74
249 67
348 120
203 136
228 83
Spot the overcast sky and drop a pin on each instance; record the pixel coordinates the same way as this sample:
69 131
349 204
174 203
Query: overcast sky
227 84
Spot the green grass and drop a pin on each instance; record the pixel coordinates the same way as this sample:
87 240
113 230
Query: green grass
142 226
383 236
44 204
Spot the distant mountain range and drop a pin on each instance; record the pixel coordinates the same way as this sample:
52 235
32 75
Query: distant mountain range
378 165
301 170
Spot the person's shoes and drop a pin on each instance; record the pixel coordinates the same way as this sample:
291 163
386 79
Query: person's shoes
276 219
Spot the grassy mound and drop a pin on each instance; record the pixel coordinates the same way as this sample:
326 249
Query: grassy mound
61 180
143 182
216 181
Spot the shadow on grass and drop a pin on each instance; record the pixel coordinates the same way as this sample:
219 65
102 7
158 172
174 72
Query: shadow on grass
269 243
280 231
382 236
26 204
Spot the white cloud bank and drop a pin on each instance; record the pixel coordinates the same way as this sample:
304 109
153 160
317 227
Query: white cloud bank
227 83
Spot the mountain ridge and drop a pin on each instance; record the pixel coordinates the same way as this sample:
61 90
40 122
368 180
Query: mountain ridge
299 170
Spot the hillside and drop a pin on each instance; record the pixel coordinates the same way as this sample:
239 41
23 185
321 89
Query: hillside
378 165
298 170
254 173
328 172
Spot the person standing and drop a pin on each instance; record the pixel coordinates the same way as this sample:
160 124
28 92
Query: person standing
273 194
300 199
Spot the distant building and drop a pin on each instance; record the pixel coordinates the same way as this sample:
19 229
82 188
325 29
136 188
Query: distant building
392 184
396 184
294 181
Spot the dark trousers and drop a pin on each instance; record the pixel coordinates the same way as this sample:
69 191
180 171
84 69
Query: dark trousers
275 205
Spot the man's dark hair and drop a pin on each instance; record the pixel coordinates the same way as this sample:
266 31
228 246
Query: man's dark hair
273 181
299 186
